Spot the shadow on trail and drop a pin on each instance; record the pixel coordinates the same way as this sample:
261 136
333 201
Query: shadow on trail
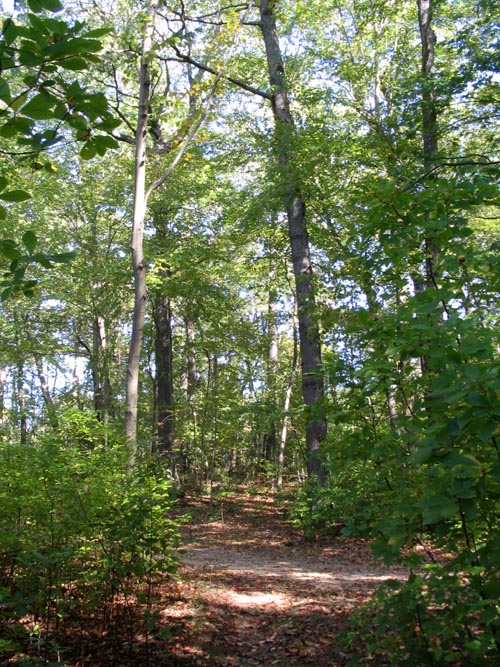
261 595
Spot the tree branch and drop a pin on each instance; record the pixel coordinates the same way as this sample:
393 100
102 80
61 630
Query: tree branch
237 82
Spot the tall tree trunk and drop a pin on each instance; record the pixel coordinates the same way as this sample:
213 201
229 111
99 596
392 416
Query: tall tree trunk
429 111
270 439
429 142
162 314
3 379
47 398
136 243
191 385
286 407
100 378
310 346
21 404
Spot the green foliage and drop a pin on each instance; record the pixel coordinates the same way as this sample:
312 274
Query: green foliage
14 280
79 528
38 104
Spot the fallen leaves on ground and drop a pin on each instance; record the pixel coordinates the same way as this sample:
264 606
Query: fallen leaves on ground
261 595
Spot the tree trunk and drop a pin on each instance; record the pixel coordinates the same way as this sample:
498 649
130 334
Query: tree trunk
286 408
270 438
310 346
3 378
21 405
429 112
136 243
191 383
99 368
429 142
164 377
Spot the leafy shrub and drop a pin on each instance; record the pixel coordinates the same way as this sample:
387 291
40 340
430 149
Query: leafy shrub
78 528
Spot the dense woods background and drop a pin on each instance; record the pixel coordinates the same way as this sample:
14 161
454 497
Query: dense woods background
309 195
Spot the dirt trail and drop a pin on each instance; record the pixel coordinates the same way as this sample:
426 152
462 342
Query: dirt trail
257 594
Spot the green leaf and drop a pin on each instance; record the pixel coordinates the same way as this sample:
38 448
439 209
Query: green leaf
6 294
9 249
437 508
75 47
454 458
88 151
39 5
28 287
103 142
486 429
74 64
63 257
4 91
16 126
30 240
40 107
99 32
15 195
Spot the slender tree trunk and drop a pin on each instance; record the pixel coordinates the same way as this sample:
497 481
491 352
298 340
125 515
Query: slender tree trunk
3 376
286 408
136 243
429 143
47 398
310 346
99 370
270 438
21 405
164 377
429 111
191 385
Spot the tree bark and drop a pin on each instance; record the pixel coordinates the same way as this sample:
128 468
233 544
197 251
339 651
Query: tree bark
21 405
136 243
270 437
286 407
164 377
429 143
310 346
429 112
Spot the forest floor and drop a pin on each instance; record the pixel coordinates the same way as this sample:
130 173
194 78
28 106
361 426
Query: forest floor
253 592
249 591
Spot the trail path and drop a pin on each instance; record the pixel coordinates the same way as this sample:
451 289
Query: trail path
257 594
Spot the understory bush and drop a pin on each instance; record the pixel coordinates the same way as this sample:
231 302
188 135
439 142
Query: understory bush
82 536
424 485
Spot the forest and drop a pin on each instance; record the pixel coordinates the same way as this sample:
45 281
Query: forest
248 245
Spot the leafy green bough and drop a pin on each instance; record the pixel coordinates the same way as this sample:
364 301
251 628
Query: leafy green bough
41 105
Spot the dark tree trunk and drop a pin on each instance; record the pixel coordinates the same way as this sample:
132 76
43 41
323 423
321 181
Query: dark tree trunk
310 346
429 144
429 112
164 376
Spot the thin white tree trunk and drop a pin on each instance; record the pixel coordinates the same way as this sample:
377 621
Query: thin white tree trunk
136 243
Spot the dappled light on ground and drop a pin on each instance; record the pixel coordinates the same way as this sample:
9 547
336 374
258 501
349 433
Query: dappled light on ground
257 594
